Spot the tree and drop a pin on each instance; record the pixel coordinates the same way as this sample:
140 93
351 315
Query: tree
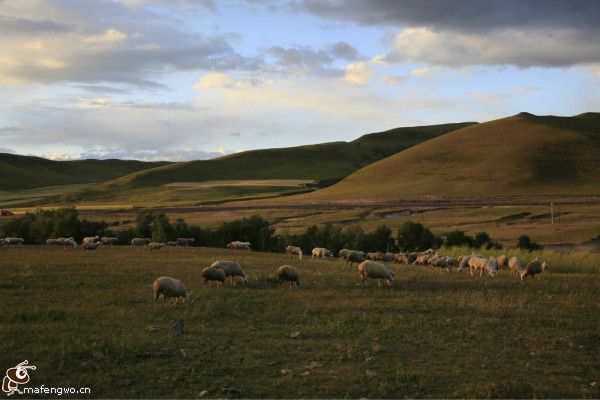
413 236
458 238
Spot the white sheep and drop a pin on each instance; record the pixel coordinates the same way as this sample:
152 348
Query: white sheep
515 265
167 287
140 241
237 245
287 273
375 270
321 252
13 241
355 257
90 239
293 251
155 245
109 240
231 269
90 245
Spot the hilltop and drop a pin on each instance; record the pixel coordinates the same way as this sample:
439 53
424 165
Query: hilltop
19 172
520 155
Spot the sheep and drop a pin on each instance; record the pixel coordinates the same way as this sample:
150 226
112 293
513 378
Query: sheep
481 264
140 241
166 287
379 256
343 254
515 265
90 239
52 242
172 244
232 269
534 267
321 252
463 263
13 241
68 242
109 240
502 262
442 262
451 262
213 274
401 258
374 270
90 245
287 273
355 256
155 246
294 251
236 245
422 259
185 241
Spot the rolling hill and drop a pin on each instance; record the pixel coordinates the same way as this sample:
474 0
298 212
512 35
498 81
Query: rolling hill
26 172
324 162
520 155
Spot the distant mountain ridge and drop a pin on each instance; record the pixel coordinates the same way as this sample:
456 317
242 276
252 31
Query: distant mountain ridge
27 172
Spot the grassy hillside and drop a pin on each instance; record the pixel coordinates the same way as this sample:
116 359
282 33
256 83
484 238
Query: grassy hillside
26 172
327 161
519 155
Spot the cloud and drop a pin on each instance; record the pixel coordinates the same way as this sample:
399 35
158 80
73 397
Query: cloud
109 36
358 73
423 45
523 33
5 150
25 26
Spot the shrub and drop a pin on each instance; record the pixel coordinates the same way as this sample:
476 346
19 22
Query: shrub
525 242
413 236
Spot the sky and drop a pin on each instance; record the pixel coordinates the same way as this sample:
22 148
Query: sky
195 79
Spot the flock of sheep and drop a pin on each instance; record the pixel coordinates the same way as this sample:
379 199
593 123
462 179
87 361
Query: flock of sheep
93 242
371 266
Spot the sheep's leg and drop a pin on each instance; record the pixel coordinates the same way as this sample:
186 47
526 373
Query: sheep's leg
480 272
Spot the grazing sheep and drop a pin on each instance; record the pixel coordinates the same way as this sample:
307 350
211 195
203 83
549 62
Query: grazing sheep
502 262
374 270
185 241
213 274
321 252
355 257
155 246
70 241
140 241
90 239
293 251
343 254
422 259
401 258
463 263
166 287
534 267
232 269
481 264
515 265
236 245
90 245
441 262
52 242
451 262
109 241
287 273
13 241
172 244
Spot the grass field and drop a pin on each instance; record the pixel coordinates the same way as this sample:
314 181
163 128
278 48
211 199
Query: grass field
83 319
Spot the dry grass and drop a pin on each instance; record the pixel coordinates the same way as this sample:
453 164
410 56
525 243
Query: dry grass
82 318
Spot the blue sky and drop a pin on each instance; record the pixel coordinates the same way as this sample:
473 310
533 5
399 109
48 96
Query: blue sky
189 79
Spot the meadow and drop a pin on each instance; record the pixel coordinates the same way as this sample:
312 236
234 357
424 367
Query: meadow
88 319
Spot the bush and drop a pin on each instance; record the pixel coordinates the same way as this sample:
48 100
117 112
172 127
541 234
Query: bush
459 238
524 242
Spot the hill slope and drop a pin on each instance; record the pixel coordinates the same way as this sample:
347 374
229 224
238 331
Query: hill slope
519 155
327 161
26 172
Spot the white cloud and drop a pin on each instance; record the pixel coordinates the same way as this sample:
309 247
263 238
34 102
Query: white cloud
358 73
109 36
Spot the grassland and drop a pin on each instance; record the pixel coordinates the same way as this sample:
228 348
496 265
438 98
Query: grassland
83 319
520 155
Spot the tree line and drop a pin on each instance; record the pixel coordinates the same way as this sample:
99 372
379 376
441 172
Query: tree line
37 226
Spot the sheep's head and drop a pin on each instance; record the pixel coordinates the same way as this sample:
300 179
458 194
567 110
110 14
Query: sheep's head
246 278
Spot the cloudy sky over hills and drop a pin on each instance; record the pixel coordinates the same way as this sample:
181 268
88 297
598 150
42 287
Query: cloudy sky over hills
188 79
